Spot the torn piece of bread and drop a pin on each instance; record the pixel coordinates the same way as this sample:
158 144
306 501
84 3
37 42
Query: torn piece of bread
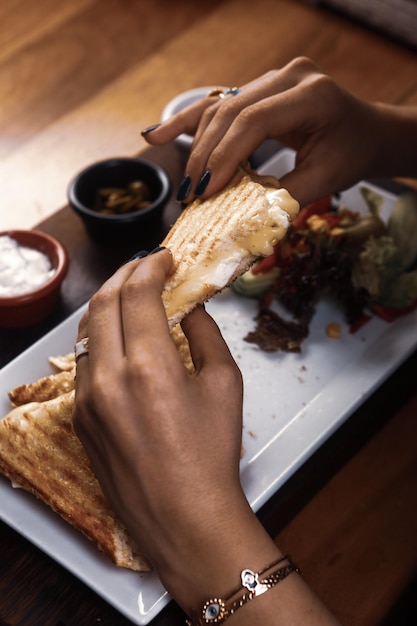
183 347
40 452
63 363
43 389
216 240
47 387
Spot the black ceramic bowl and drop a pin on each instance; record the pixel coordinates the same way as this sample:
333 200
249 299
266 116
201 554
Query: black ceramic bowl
119 228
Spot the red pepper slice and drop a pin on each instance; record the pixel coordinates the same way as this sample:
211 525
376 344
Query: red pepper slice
314 208
267 264
357 324
267 299
391 313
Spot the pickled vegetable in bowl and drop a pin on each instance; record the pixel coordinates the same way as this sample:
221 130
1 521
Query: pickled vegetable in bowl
134 196
120 200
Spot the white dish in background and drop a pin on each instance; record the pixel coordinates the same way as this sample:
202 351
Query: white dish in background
292 404
180 102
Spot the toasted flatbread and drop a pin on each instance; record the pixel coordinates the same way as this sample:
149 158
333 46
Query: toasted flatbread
47 387
40 452
216 240
63 363
182 345
43 389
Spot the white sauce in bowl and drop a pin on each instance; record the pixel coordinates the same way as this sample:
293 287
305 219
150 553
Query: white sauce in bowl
22 269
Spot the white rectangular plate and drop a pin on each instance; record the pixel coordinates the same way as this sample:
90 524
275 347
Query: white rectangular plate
293 403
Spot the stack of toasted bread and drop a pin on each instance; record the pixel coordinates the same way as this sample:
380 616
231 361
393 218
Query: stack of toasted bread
40 452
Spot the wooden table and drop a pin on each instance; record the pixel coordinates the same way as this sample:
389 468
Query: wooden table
78 80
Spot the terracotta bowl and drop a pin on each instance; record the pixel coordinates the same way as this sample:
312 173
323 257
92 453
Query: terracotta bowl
33 306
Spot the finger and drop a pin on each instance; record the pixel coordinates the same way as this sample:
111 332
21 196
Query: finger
216 121
87 324
109 341
216 369
224 109
264 86
245 133
193 119
145 324
229 133
185 121
317 176
207 345
103 322
287 114
308 183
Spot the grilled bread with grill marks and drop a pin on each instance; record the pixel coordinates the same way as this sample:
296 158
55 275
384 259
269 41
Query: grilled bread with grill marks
43 389
216 240
40 452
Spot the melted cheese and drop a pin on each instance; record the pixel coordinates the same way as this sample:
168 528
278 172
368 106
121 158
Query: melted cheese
282 207
259 240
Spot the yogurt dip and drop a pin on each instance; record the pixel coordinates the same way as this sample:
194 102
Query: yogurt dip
22 269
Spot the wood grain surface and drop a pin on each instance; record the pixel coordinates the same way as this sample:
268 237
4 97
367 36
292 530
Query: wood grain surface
79 79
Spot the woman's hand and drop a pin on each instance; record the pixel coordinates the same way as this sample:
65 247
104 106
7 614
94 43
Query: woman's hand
338 137
165 444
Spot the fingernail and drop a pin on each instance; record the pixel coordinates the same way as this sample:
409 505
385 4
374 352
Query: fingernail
158 249
145 131
184 188
138 255
202 184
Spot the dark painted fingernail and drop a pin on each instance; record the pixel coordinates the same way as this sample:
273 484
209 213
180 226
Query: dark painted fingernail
138 255
184 188
202 184
158 249
145 131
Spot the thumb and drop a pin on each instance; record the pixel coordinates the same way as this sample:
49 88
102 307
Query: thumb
306 185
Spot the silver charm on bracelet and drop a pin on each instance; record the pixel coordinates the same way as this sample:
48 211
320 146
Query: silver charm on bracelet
217 610
251 581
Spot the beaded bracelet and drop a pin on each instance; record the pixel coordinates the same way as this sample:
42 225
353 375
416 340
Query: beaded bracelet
217 610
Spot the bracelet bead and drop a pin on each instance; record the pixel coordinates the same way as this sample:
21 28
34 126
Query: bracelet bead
217 610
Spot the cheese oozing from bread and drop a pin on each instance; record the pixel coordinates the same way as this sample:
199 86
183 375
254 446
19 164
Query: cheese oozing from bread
216 240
